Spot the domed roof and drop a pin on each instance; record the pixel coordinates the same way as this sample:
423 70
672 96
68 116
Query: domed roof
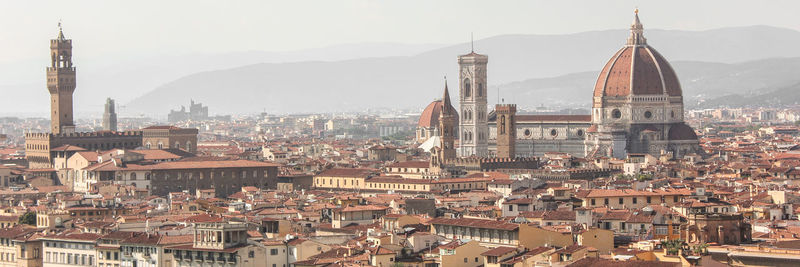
681 131
637 69
431 113
430 116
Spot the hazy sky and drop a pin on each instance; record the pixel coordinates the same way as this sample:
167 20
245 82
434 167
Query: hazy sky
125 29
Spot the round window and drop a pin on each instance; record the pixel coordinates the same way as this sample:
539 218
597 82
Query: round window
648 114
527 132
580 132
616 114
553 132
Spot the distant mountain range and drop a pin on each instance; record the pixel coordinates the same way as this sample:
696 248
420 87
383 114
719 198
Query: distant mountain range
785 96
704 84
739 57
528 69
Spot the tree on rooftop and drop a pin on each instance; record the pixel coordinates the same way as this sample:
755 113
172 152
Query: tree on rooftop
28 218
673 246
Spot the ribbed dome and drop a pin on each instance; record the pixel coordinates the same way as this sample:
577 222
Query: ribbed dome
430 115
637 69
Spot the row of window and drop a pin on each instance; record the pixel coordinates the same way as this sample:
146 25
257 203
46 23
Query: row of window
330 182
69 258
8 257
553 132
468 89
177 145
201 175
635 200
108 255
139 249
395 186
616 114
67 245
663 230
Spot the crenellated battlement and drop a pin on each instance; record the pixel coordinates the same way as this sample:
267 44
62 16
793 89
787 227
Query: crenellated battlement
81 134
38 135
479 160
490 164
505 108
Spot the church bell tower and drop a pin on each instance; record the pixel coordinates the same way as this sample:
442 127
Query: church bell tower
474 135
506 130
447 126
61 84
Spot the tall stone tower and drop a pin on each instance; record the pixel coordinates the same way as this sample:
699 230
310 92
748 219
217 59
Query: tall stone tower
474 137
110 116
61 84
447 125
506 130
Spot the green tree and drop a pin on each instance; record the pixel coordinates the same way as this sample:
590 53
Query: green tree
28 218
700 249
673 246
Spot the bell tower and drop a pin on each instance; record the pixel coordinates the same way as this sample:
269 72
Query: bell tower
506 130
447 126
474 135
61 84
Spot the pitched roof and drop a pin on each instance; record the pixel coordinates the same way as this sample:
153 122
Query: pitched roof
499 251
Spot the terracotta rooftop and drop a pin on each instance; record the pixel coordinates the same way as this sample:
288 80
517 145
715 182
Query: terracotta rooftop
499 251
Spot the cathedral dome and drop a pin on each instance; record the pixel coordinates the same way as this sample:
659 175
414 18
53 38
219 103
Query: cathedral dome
431 113
637 69
430 116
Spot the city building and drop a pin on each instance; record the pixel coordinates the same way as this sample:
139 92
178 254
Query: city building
218 243
474 134
165 137
110 116
197 112
61 84
638 104
428 124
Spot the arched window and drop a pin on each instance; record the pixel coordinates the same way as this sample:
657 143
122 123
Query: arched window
467 88
480 89
503 124
188 145
177 145
133 176
160 145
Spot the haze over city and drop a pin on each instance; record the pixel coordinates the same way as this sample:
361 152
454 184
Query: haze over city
399 133
158 43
